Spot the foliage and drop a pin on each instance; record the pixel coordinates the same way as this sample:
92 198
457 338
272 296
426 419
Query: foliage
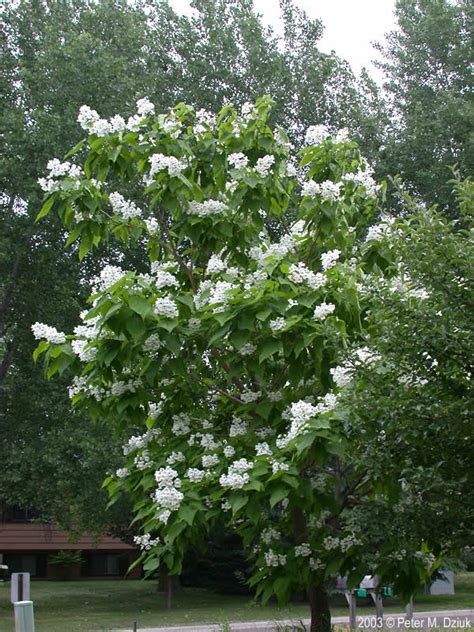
417 400
229 350
65 558
429 89
55 57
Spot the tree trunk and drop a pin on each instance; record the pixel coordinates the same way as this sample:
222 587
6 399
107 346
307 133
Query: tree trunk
320 613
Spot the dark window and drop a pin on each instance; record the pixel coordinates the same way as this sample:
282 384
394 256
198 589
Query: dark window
33 563
105 565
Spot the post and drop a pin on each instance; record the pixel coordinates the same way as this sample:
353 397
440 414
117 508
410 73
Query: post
351 600
409 610
20 587
378 600
24 616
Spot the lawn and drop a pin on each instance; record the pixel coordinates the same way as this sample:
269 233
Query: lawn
85 606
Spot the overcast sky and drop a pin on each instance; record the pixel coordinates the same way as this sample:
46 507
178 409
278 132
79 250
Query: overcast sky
350 25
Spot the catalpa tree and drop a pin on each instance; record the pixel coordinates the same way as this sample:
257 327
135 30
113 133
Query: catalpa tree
222 361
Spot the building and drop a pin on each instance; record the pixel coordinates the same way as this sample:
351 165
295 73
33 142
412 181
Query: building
26 546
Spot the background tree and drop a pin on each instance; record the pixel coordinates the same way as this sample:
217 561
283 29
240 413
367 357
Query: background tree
417 401
429 89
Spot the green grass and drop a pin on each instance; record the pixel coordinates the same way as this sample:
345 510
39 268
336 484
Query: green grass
84 606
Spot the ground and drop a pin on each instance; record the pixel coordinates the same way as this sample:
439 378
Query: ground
84 606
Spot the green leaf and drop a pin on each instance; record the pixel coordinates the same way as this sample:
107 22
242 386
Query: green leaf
268 349
45 208
278 494
187 514
139 305
41 348
237 501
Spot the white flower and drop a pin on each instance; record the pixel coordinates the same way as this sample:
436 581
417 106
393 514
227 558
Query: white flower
175 457
195 475
124 208
181 425
302 550
51 334
238 427
342 136
299 274
122 472
279 466
166 307
274 559
145 542
277 324
145 107
329 259
229 451
263 165
323 310
247 349
163 277
117 124
315 564
166 476
269 534
316 134
83 350
215 265
209 460
233 480
238 160
108 276
152 225
209 207
160 162
341 375
152 343
168 497
263 449
250 396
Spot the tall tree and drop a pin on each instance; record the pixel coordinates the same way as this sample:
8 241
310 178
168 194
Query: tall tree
428 66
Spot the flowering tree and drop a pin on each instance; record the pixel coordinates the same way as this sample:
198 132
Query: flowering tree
222 362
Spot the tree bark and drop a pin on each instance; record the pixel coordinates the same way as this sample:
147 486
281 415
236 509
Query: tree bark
320 612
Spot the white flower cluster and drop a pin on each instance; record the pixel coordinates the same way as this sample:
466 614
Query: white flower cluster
250 396
274 559
315 564
195 475
163 278
141 441
329 258
215 265
328 190
122 472
365 179
344 544
84 350
382 230
124 208
142 461
166 307
145 542
209 460
279 466
204 121
263 165
167 495
247 349
273 252
278 324
238 427
263 449
119 387
152 343
160 162
269 535
237 475
58 169
51 334
238 160
342 375
302 550
323 310
181 424
299 274
175 457
108 276
316 134
206 208
91 122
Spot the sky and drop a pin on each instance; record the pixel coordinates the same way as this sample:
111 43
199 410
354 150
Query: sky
350 25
